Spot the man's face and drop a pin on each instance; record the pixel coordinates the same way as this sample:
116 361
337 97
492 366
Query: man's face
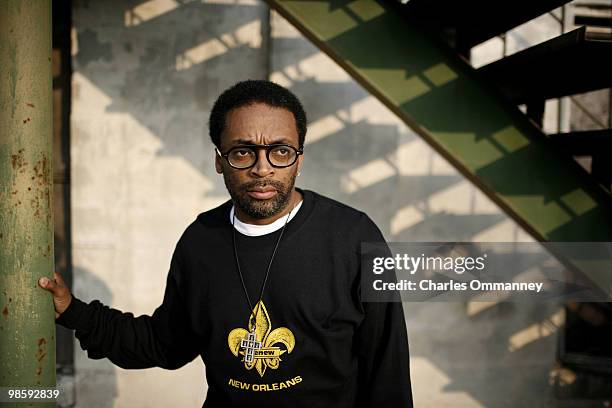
261 191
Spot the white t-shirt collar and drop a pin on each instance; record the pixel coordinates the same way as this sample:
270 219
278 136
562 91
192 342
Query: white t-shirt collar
253 230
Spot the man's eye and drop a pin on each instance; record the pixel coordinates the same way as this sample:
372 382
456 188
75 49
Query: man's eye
241 155
281 152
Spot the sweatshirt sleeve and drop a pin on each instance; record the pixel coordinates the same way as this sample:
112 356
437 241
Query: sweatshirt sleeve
162 340
382 347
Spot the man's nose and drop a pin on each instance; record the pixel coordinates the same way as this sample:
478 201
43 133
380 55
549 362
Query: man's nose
262 168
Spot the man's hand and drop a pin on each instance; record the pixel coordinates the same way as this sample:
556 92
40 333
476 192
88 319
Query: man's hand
61 294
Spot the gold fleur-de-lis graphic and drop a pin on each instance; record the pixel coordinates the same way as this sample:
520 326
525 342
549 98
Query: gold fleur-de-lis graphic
258 344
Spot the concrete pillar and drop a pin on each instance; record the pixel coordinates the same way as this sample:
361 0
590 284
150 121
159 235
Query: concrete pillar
27 318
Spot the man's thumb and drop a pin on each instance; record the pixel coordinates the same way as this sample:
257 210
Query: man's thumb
47 283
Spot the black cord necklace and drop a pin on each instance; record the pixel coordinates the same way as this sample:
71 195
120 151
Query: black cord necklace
252 312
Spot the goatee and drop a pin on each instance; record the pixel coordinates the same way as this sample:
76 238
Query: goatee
260 209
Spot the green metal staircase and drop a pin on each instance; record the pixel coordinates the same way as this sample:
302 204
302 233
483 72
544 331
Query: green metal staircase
460 112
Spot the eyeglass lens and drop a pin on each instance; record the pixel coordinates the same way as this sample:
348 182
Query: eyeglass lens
281 156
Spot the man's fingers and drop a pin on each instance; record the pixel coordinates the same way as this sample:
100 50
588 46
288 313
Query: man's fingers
56 285
61 294
58 278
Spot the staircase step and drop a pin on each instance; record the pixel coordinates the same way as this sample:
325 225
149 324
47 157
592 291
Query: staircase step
475 22
570 64
584 143
593 21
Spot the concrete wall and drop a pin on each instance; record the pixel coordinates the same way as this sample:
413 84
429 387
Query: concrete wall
145 76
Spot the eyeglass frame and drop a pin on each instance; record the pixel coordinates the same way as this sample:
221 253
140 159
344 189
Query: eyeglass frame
268 147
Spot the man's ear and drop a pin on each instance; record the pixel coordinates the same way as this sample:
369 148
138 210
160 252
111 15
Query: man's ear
218 164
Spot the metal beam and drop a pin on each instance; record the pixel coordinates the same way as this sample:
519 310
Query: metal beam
27 317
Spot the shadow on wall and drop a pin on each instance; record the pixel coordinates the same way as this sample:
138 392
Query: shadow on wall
165 65
502 356
95 380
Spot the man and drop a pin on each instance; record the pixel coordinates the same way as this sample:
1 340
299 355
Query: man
266 287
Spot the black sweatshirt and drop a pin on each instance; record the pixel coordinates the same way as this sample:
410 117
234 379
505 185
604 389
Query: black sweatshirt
315 344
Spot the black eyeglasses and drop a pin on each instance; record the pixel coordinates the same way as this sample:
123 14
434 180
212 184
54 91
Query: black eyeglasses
245 156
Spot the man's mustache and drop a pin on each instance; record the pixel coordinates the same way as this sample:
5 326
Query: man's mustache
277 185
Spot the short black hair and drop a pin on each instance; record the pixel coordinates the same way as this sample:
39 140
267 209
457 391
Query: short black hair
245 93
